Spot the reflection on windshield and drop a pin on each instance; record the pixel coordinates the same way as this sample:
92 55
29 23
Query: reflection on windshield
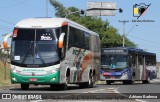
114 61
35 47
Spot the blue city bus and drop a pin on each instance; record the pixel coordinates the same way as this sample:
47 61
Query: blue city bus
127 65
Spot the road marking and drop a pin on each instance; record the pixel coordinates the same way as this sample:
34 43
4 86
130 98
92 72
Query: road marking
37 100
116 91
101 89
155 80
140 100
109 89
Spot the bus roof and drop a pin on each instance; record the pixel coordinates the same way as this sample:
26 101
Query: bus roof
50 23
130 49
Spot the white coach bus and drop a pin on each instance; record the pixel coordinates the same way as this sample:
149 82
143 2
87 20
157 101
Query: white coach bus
55 52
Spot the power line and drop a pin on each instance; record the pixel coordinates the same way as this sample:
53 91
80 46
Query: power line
145 40
153 47
6 21
6 29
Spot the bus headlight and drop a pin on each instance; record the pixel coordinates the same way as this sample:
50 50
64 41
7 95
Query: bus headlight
53 70
14 79
16 71
125 73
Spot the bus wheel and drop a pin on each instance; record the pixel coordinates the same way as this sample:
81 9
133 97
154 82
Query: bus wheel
54 87
65 85
108 82
130 82
146 81
88 84
24 86
125 82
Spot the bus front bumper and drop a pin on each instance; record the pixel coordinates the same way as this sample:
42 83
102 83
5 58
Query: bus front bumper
47 79
116 78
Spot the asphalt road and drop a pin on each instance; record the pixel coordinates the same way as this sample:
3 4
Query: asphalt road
116 89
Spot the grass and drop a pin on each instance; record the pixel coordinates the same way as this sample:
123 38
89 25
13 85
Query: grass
4 81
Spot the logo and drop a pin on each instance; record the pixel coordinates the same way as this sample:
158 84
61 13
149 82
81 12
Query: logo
140 10
6 96
33 74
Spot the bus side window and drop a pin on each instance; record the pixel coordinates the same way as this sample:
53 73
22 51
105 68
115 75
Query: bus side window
140 59
87 35
71 37
94 43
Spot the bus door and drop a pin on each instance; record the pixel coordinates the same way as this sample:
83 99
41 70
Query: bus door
139 67
144 68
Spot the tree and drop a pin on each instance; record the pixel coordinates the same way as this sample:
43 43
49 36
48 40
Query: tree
108 34
3 59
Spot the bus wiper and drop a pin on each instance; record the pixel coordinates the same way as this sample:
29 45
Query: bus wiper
39 55
27 53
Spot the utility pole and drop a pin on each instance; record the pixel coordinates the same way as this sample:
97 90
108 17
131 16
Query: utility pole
46 8
124 21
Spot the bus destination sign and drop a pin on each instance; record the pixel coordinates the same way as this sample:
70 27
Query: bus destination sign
113 51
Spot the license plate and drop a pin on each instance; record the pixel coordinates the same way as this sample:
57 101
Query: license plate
112 77
32 79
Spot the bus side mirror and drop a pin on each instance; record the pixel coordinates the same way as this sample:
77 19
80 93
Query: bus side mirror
61 39
5 42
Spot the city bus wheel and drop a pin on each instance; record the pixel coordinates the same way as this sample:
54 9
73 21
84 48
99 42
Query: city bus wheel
125 82
108 82
24 86
128 82
146 81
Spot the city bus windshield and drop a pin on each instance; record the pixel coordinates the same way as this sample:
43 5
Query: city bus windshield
114 61
35 47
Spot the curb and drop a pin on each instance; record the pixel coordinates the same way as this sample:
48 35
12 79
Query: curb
100 82
9 86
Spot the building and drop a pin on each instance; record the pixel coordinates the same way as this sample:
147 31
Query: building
158 70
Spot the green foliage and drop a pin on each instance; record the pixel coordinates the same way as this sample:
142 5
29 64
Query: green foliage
5 69
109 35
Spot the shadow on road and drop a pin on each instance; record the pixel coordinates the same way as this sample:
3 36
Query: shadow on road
47 88
120 83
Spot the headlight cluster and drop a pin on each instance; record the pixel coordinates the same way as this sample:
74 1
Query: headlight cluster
15 71
53 70
125 73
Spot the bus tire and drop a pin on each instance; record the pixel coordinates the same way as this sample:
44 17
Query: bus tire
24 86
65 85
125 82
130 82
108 82
146 81
88 84
54 87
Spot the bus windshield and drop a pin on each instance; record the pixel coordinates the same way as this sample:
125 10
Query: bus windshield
114 61
35 47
